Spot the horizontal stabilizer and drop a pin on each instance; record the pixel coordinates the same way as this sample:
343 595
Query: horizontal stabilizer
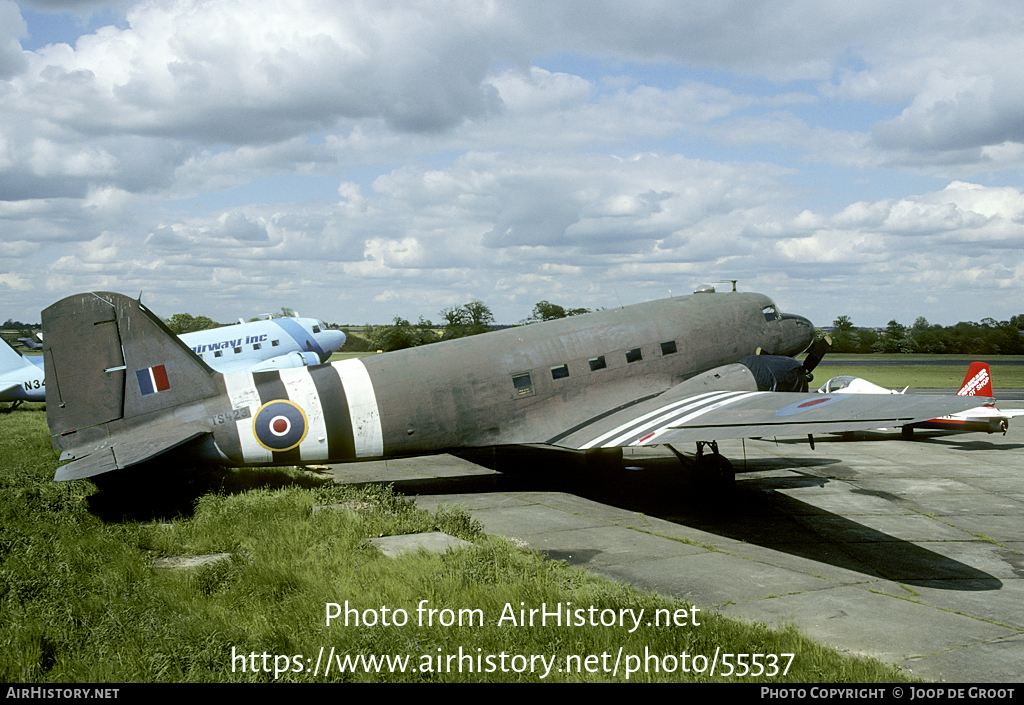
8 387
124 455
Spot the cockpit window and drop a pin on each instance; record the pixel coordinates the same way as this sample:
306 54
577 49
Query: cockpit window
771 313
837 383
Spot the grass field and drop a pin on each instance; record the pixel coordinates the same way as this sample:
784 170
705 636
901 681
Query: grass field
82 600
920 371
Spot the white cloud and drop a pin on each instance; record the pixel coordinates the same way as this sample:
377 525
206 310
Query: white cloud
12 29
397 158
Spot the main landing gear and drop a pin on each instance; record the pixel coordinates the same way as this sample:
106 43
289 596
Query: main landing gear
713 468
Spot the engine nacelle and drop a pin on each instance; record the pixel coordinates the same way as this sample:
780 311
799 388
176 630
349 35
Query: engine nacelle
284 362
777 373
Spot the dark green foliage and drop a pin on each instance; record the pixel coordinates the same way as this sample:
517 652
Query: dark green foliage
401 334
547 311
989 337
355 343
187 323
473 318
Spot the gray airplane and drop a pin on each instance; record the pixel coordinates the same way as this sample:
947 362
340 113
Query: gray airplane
123 391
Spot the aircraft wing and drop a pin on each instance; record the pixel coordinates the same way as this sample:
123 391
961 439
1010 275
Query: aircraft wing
674 417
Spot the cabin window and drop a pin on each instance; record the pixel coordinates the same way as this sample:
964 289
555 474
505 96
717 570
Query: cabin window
668 348
316 329
634 355
560 372
218 353
256 346
597 363
275 343
238 350
523 384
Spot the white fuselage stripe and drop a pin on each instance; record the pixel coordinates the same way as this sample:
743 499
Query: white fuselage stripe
362 406
301 390
243 393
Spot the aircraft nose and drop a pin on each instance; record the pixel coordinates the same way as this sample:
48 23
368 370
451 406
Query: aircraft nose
797 334
333 340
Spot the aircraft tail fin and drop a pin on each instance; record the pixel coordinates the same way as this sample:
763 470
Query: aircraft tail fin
10 359
112 368
978 382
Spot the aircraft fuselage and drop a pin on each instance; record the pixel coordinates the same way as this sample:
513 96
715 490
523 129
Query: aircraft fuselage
505 387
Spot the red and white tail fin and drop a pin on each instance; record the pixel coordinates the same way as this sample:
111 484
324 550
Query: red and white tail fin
978 382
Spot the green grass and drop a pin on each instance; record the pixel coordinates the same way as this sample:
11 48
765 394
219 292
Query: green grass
82 602
920 376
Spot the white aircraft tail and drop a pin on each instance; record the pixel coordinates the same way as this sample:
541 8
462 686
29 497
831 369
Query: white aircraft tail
10 360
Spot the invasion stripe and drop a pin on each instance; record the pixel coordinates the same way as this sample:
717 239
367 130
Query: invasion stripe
638 422
651 438
242 393
303 392
362 406
658 424
338 422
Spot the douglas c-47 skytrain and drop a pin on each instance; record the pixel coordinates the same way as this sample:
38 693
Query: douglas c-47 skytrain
122 391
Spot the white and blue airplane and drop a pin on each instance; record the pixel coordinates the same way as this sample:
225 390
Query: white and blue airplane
21 377
270 344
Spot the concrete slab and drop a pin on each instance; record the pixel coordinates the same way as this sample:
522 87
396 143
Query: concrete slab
866 625
910 551
433 541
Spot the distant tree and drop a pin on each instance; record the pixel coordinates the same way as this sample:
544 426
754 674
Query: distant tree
470 319
401 334
894 339
844 336
866 339
927 338
547 311
187 323
356 343
842 324
480 315
454 317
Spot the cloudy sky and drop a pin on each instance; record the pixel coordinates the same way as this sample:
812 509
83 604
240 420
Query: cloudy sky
361 160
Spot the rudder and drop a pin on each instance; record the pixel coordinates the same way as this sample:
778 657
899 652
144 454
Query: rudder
108 362
977 382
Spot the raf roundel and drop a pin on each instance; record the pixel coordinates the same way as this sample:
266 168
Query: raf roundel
279 425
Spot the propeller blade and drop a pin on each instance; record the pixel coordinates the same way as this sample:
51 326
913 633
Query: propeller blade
815 353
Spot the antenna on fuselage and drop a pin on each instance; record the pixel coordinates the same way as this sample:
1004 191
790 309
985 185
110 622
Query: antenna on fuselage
728 281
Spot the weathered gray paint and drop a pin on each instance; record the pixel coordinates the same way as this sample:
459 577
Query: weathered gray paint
423 400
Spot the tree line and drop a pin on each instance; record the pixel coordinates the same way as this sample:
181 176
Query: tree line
472 318
987 337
